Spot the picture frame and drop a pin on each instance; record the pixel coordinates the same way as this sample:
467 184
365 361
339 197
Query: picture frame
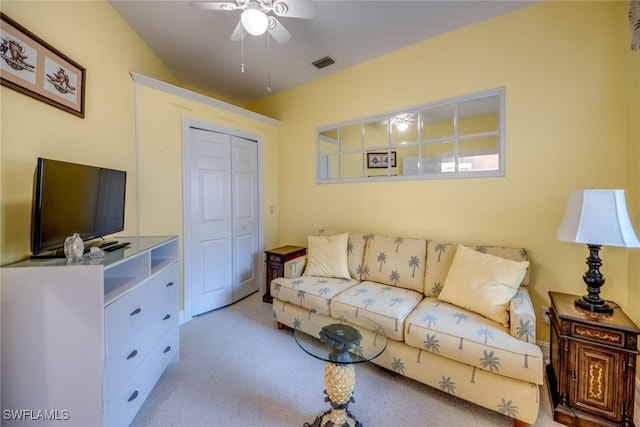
381 160
34 68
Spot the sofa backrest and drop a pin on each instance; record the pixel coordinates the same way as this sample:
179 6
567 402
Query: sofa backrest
396 261
355 249
440 256
410 263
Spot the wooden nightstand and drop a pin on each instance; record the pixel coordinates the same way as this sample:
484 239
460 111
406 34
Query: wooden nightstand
591 377
275 259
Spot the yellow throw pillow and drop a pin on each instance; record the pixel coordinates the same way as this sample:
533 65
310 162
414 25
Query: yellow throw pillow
483 283
327 256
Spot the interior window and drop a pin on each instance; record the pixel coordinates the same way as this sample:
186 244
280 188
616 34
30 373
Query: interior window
458 137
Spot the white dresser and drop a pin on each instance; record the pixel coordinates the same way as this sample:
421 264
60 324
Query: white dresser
84 344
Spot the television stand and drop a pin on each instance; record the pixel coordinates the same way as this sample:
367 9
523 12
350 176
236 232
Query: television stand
90 340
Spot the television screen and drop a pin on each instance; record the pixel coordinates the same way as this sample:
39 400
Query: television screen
72 198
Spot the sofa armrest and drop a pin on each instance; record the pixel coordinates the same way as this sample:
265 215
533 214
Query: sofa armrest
522 316
295 267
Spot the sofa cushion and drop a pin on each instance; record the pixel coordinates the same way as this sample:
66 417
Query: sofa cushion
327 256
470 338
386 305
310 292
440 256
396 261
355 249
483 283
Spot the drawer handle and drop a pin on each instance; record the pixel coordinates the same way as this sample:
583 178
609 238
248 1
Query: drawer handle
167 350
136 311
133 396
573 375
169 284
132 354
168 316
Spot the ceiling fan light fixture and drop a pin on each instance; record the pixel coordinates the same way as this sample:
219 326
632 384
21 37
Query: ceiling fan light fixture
401 122
254 21
402 126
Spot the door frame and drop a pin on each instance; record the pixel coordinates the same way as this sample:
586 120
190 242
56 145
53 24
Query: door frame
188 123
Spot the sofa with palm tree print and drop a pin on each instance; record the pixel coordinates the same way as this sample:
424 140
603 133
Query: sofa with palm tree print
457 317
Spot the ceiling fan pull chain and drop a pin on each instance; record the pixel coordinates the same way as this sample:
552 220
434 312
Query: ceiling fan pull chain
268 63
242 50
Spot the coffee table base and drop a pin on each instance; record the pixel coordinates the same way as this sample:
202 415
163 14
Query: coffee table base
340 381
325 420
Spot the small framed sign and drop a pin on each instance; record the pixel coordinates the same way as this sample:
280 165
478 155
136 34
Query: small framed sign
31 66
381 160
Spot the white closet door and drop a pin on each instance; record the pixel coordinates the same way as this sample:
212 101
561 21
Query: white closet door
244 159
222 220
208 272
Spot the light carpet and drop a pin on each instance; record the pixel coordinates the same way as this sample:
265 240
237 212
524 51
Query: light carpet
237 369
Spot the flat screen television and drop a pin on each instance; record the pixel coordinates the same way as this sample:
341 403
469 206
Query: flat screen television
72 198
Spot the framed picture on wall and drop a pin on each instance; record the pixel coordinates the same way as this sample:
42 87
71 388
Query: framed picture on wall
34 68
381 160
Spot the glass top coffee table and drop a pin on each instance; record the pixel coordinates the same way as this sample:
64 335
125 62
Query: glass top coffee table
341 340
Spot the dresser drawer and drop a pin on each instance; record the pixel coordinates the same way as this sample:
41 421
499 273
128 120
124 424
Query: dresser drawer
135 323
120 410
143 311
129 318
276 258
598 335
166 291
130 336
121 366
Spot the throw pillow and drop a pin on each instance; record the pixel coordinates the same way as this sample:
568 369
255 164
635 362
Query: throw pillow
483 283
327 256
355 249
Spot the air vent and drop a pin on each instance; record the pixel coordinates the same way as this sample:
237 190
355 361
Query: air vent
323 62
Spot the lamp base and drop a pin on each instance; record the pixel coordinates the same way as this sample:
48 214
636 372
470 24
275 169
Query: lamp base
595 306
594 281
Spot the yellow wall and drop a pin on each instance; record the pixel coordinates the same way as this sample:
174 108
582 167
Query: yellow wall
160 117
94 35
631 61
567 128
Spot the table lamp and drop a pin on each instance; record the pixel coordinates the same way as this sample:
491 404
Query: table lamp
597 217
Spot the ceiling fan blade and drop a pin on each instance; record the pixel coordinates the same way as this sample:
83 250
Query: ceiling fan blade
278 31
238 32
213 5
295 8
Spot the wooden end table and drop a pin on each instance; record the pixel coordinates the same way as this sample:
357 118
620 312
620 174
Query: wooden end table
275 259
591 377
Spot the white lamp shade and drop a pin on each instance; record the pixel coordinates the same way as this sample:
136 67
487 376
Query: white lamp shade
254 21
598 217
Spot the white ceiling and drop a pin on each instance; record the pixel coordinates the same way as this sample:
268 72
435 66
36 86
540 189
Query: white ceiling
195 44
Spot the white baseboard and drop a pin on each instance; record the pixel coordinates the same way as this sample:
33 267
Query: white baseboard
546 349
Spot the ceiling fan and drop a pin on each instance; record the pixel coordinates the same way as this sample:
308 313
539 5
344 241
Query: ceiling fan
256 18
